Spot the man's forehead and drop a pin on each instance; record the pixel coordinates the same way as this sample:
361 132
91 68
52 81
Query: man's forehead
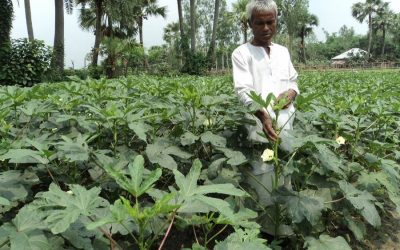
263 13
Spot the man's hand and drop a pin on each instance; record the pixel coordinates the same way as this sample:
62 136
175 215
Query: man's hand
289 95
266 122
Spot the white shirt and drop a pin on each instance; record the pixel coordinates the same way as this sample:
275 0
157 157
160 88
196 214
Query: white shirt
254 70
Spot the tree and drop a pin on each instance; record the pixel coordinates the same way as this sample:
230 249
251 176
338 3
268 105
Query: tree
383 20
144 9
211 50
6 13
361 10
239 8
293 17
193 25
57 62
306 28
107 18
28 18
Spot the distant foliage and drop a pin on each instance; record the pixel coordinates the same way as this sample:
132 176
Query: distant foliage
28 63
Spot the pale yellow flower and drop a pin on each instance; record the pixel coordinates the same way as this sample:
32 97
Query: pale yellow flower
70 192
267 155
208 123
340 140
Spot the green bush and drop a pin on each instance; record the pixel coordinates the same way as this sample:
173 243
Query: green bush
196 64
28 63
80 73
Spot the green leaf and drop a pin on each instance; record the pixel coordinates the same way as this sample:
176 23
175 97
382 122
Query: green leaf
300 206
61 209
188 184
362 201
188 138
160 153
329 160
227 189
356 227
140 129
4 202
137 185
300 141
243 239
74 151
327 243
24 156
235 158
14 185
215 140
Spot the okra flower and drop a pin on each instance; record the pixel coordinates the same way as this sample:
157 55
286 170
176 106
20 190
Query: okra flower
267 155
340 140
208 122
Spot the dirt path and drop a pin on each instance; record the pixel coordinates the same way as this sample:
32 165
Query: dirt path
388 236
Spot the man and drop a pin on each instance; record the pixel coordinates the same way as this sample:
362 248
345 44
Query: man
265 67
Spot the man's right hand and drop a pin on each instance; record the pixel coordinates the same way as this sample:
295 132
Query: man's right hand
266 122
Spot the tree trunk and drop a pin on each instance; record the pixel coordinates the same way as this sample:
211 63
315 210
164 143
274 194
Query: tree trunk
140 26
98 32
303 47
244 30
28 18
58 47
180 19
370 34
193 25
211 50
383 40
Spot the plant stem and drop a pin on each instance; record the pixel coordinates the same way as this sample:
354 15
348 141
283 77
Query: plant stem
168 230
215 235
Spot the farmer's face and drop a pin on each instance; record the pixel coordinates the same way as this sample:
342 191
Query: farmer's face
263 24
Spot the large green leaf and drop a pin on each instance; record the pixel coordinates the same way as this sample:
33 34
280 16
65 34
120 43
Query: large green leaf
188 138
213 139
160 153
15 185
327 243
73 151
243 239
192 196
60 209
235 158
362 201
24 156
136 184
329 160
299 205
140 129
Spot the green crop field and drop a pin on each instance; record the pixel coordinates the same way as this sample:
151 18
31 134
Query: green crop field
159 162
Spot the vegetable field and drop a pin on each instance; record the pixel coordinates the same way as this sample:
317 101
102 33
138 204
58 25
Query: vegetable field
159 163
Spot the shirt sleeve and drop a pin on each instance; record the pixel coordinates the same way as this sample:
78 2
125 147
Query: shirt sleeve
293 77
242 78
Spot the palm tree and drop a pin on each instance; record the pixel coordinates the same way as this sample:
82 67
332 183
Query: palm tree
306 28
57 61
28 18
239 8
144 9
107 18
362 10
383 20
86 20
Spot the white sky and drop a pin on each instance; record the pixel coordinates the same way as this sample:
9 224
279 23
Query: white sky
332 15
